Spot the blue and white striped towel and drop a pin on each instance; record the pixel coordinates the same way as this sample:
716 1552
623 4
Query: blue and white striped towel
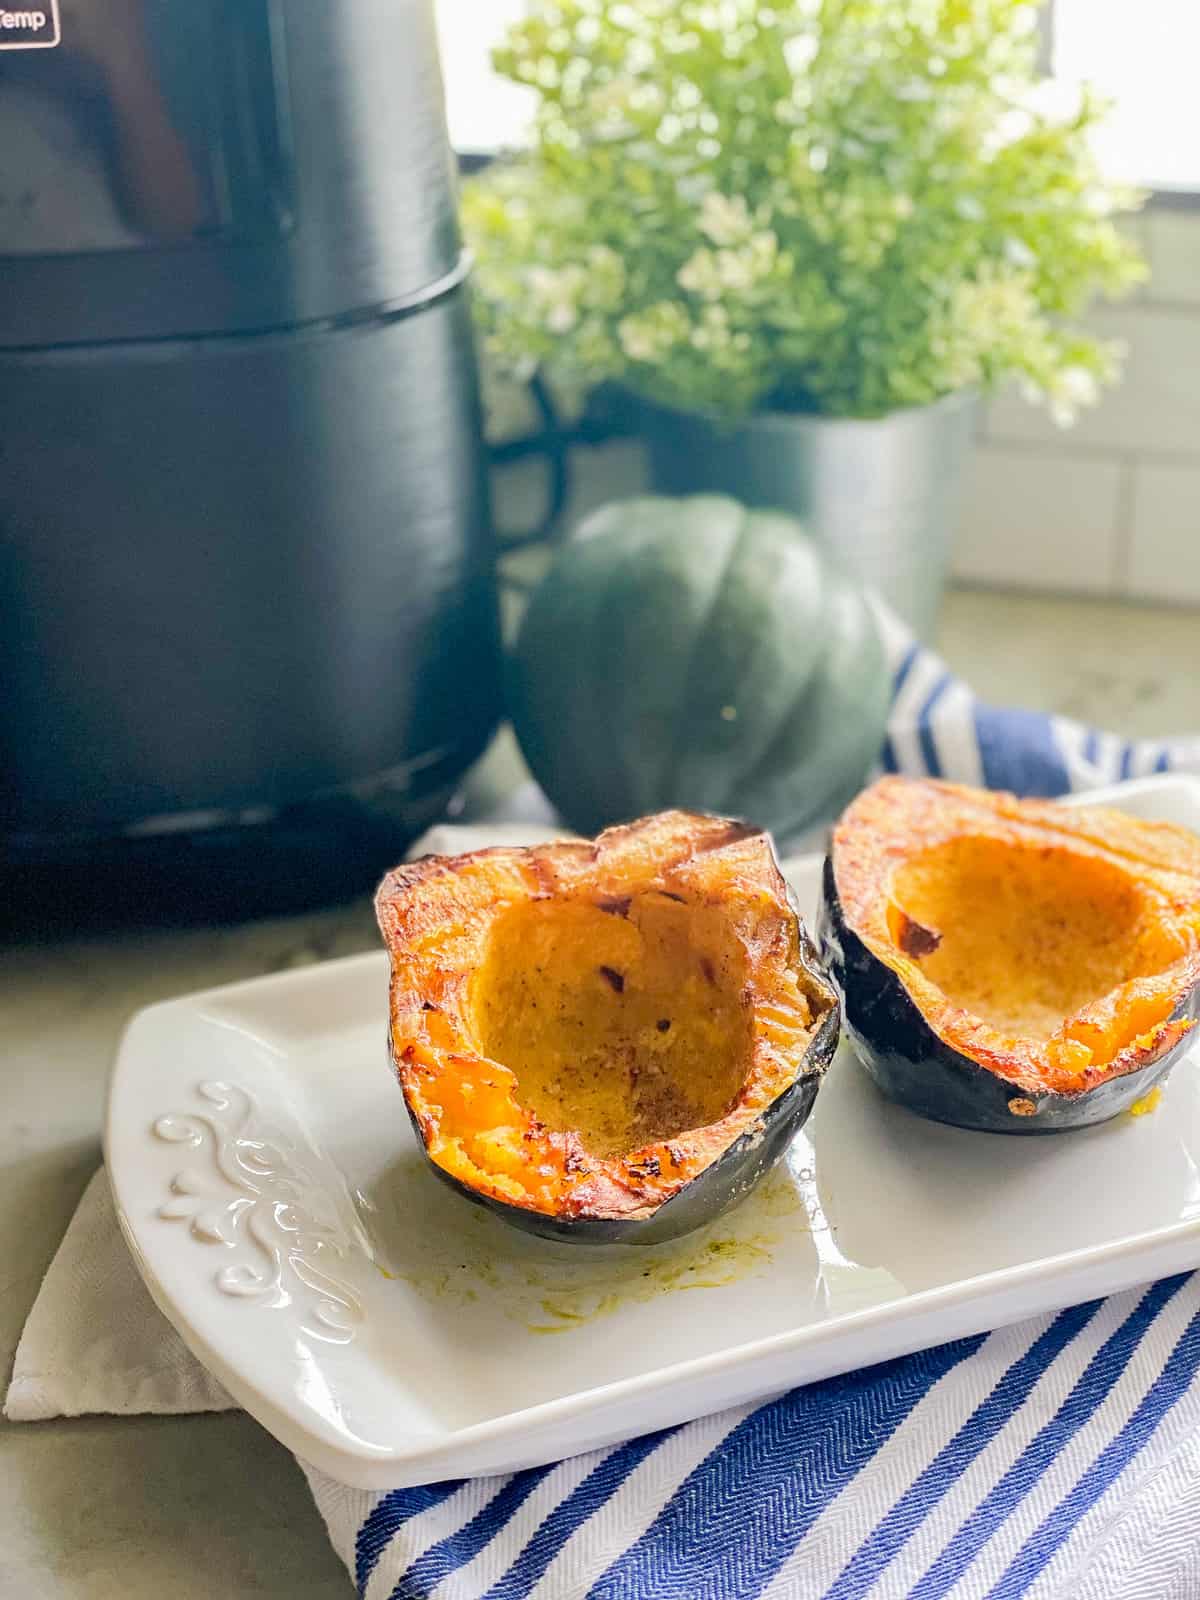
938 729
1058 1459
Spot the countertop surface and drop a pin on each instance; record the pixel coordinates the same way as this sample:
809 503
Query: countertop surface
194 1508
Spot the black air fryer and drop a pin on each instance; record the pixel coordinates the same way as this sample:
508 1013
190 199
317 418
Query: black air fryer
248 630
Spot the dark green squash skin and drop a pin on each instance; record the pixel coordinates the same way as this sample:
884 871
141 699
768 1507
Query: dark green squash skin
702 654
919 1071
719 1186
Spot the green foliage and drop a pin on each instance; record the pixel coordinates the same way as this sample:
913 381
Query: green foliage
839 205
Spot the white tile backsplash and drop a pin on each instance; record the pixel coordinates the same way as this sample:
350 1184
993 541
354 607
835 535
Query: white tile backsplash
1116 499
1154 408
1164 543
1173 245
1135 228
1039 522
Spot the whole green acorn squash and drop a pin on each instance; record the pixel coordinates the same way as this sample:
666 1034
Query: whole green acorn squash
691 652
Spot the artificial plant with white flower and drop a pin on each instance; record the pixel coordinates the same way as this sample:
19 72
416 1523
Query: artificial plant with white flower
843 206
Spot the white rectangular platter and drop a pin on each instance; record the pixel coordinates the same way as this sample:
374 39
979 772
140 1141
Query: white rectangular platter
390 1333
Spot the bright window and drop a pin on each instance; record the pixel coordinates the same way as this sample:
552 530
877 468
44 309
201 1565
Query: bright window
485 112
1144 55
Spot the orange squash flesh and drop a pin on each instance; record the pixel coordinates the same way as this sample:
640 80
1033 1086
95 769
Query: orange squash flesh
581 1028
1051 945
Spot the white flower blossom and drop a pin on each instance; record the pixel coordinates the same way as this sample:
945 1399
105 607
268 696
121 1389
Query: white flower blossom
801 51
562 317
649 334
735 270
724 219
1068 392
637 341
712 273
606 277
610 105
717 338
556 295
699 275
762 251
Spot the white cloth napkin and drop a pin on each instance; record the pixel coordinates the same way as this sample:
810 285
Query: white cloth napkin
95 1341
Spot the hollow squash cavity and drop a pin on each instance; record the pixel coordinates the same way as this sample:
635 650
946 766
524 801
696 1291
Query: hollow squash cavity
1011 965
1023 936
610 1039
623 1024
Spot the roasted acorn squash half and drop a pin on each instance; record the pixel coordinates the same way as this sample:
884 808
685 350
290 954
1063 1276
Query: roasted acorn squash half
606 1041
1011 965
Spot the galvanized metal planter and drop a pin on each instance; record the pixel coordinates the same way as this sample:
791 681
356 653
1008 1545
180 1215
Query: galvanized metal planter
882 494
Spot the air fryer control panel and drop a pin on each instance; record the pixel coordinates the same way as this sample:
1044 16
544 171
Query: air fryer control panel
130 125
30 29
